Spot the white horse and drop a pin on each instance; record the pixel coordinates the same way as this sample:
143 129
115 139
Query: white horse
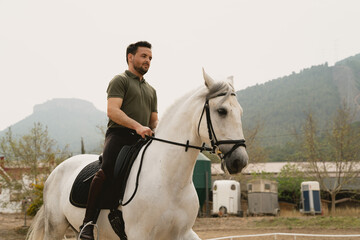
166 204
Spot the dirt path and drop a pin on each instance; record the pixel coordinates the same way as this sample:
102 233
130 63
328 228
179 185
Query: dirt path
232 226
11 226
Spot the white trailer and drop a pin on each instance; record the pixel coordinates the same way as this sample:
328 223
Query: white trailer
226 197
310 197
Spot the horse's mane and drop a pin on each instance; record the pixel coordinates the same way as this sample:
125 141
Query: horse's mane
169 111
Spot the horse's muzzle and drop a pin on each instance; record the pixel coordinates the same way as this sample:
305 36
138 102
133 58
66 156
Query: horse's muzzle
237 161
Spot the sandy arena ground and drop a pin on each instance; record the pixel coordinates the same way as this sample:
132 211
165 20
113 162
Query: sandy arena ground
11 229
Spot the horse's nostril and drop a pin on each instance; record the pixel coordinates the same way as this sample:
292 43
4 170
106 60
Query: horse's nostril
236 166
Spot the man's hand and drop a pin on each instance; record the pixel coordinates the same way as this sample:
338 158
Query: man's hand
142 131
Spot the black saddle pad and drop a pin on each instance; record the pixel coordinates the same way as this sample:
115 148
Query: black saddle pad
113 190
81 185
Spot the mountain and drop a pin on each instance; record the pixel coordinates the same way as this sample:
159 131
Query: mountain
68 120
281 105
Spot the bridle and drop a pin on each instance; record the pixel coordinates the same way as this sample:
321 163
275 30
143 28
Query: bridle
212 136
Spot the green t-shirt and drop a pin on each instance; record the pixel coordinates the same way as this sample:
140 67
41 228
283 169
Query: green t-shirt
139 98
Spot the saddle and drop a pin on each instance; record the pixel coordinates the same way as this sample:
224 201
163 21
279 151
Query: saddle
113 191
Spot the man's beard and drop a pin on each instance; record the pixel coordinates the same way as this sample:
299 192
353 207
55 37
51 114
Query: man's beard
140 70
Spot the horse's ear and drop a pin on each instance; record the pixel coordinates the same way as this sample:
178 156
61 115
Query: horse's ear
231 80
208 80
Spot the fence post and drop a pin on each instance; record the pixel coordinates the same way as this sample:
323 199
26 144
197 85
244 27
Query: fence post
207 194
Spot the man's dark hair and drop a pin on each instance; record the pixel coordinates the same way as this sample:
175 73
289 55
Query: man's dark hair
132 48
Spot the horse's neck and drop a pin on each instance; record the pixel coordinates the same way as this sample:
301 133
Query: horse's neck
179 126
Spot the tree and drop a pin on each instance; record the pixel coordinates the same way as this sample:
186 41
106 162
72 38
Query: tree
338 148
82 146
256 152
289 180
102 130
37 200
35 154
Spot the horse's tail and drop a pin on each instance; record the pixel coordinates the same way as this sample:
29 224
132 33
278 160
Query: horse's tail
37 227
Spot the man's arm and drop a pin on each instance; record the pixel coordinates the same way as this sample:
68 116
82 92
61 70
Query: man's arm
117 115
154 120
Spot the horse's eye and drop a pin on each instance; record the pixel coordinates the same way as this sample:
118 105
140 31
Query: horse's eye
222 111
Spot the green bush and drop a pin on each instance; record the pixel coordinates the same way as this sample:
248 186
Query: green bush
37 201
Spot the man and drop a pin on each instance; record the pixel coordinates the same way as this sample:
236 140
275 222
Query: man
131 106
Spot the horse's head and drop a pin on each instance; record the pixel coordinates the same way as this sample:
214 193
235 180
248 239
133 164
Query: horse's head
222 126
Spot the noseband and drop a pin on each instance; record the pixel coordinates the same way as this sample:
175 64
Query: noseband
212 136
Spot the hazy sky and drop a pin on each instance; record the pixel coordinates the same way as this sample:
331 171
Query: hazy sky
72 48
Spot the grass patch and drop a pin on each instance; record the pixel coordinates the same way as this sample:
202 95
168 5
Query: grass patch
309 222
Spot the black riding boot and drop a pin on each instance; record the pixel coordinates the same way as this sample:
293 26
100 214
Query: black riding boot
92 211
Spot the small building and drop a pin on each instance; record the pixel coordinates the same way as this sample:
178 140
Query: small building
8 198
310 197
226 197
11 200
262 197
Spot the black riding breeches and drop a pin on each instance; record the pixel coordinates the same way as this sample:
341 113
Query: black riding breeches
115 139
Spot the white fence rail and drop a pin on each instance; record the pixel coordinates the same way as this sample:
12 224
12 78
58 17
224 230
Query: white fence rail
286 234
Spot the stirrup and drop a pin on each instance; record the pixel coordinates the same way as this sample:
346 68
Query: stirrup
87 224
